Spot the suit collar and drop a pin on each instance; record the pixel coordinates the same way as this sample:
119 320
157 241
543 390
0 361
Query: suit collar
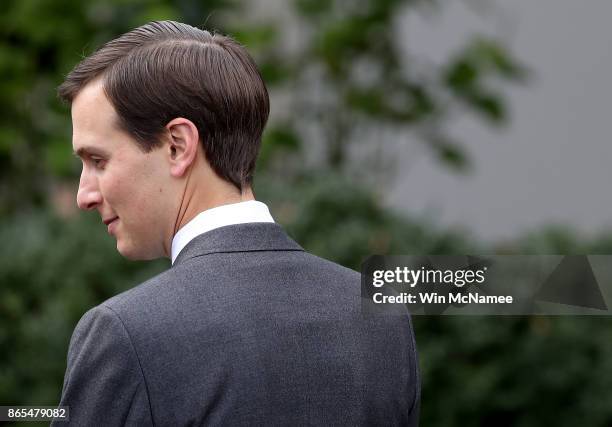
220 216
249 237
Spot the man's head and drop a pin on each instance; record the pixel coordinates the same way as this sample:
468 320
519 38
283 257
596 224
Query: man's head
153 109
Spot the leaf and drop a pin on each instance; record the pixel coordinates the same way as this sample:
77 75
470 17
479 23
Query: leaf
490 106
449 152
281 137
462 75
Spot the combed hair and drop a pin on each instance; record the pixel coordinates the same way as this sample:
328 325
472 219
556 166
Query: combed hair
164 70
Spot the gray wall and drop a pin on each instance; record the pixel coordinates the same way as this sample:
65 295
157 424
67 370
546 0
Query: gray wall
552 162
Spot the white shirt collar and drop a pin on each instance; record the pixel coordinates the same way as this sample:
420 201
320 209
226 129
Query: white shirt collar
235 213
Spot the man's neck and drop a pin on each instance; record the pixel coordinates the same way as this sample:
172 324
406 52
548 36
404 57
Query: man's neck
194 202
250 211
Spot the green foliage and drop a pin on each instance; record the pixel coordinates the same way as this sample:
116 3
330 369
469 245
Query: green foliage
515 371
467 74
279 139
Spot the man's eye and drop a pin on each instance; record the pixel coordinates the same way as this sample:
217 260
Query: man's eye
99 163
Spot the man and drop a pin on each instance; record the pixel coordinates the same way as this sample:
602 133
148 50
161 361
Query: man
245 328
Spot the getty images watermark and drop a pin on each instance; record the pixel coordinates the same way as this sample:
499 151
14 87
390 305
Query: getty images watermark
488 285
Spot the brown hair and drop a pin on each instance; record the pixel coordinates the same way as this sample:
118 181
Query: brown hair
166 69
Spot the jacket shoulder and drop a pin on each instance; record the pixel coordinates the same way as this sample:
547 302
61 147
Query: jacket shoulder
125 302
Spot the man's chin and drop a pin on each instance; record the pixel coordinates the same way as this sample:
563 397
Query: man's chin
134 254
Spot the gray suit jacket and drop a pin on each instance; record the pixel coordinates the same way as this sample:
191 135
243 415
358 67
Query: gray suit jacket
245 329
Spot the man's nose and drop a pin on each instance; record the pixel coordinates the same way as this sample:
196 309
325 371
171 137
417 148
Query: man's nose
88 196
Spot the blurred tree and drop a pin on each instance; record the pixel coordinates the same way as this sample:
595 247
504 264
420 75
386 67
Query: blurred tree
352 75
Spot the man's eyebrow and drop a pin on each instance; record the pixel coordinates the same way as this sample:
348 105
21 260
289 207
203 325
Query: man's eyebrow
89 151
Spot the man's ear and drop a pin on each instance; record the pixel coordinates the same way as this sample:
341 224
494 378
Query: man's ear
184 145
